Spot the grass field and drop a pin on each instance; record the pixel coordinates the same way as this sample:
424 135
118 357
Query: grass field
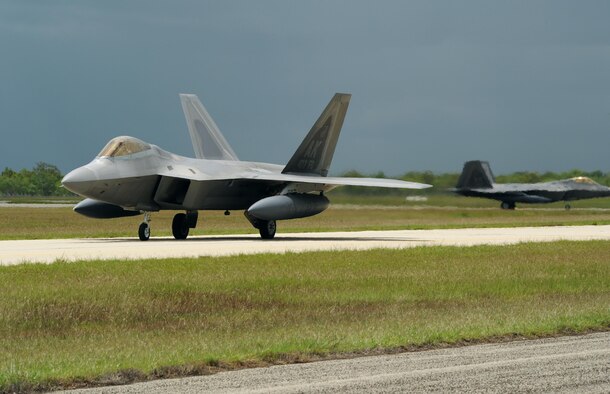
348 213
84 322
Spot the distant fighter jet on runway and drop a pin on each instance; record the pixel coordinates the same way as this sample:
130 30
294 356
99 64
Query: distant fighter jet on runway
130 176
477 180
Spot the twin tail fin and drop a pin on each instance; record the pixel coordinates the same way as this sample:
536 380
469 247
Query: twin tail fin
208 141
476 175
314 155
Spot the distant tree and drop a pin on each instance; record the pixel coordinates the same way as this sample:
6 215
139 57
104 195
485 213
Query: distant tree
7 173
46 178
43 180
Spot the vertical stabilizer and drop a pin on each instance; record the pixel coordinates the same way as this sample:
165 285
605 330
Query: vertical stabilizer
315 153
476 175
208 141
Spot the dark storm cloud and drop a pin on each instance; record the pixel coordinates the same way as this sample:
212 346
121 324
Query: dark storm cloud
525 85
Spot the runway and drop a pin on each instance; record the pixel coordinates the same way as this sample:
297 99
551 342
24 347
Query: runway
47 251
557 365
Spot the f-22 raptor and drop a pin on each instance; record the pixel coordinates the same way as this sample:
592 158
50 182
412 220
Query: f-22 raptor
477 180
131 177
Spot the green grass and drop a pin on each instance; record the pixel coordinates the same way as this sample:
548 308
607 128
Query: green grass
67 323
362 213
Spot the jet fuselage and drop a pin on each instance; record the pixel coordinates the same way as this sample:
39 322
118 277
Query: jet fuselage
477 180
155 179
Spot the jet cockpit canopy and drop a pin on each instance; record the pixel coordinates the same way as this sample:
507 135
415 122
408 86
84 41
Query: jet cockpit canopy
123 146
583 179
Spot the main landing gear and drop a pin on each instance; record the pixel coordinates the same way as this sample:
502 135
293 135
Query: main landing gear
183 222
180 228
507 205
266 228
181 225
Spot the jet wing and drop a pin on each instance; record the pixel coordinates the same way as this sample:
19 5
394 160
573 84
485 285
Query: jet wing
240 189
257 174
339 181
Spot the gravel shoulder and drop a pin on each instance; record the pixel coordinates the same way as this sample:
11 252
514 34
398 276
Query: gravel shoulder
566 364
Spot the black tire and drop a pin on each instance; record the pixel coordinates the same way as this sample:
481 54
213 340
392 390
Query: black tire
144 231
180 227
507 205
568 207
267 229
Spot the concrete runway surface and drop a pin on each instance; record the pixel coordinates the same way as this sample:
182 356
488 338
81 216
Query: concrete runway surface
16 252
558 365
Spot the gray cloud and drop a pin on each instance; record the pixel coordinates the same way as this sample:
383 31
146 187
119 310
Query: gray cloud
525 84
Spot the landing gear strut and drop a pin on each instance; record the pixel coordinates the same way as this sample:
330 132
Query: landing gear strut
507 205
144 229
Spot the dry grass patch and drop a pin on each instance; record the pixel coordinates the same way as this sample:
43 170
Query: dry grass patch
373 214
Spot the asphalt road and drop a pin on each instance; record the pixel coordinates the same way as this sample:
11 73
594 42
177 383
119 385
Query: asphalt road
558 365
15 252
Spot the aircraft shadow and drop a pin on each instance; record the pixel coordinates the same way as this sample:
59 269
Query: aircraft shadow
276 239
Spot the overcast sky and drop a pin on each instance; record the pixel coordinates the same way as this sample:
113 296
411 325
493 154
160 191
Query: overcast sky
523 84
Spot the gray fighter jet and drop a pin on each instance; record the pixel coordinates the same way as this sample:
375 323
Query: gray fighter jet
477 180
131 177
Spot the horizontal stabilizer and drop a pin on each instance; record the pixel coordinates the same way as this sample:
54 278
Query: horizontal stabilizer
208 141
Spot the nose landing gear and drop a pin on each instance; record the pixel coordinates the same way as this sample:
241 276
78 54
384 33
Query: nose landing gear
144 229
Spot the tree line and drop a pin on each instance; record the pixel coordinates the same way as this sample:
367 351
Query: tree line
45 180
42 180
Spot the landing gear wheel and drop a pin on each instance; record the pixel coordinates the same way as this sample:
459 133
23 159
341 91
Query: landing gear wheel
267 229
568 207
507 205
180 227
144 231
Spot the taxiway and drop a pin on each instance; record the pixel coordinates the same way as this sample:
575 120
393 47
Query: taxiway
47 251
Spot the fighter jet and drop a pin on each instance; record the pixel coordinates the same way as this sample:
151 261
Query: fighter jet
131 177
477 180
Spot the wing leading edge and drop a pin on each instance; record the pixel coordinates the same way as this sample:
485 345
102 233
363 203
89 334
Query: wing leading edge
340 181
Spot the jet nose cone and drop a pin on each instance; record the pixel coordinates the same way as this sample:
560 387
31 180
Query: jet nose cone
76 180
